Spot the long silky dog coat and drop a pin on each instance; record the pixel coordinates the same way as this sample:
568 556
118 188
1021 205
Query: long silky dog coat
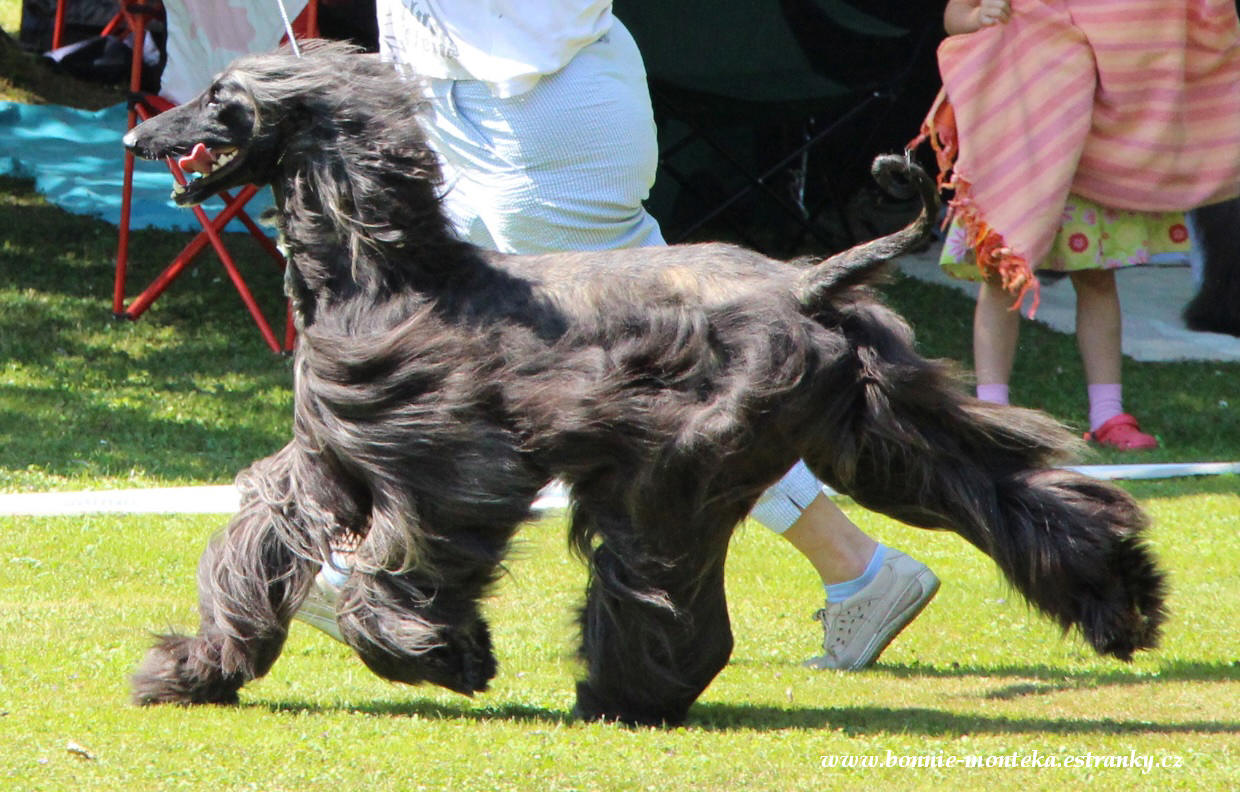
439 387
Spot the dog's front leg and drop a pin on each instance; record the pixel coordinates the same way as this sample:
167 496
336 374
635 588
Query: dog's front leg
407 631
249 585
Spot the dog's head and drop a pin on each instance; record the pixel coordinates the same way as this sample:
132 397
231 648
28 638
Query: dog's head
220 140
240 129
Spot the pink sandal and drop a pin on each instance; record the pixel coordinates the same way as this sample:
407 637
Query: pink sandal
1123 434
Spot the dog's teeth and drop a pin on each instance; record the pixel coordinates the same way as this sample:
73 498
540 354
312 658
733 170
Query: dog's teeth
178 188
224 159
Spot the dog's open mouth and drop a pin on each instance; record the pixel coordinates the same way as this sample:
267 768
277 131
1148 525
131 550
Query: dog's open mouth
202 165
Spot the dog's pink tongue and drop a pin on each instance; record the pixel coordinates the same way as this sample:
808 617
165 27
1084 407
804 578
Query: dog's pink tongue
199 160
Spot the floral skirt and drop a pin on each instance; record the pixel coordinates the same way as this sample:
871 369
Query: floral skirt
1091 237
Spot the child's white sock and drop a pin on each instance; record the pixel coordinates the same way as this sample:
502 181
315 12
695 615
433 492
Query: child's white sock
1105 402
996 393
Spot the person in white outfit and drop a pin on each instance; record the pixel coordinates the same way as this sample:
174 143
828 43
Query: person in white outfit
540 113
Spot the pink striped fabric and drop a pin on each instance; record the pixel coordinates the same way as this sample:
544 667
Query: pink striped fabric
1132 103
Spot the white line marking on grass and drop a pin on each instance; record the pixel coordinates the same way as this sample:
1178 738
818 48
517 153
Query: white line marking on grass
225 499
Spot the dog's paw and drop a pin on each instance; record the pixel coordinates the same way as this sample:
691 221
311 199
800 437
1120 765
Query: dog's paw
173 672
477 663
464 663
457 658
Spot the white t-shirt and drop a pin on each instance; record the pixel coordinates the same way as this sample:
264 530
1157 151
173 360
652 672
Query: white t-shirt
509 44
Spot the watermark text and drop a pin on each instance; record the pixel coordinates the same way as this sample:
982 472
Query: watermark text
1145 763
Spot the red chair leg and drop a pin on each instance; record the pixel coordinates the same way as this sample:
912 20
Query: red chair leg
211 227
259 235
183 259
58 24
209 235
290 330
238 282
122 246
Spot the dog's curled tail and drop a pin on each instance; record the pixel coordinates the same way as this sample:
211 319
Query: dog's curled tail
897 175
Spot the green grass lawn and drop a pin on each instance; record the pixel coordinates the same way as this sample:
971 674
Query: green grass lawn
189 394
977 675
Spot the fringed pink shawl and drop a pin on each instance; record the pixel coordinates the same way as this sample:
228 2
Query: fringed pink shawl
1134 104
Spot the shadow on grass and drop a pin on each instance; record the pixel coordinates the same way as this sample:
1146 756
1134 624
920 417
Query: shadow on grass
712 716
930 722
188 392
430 710
1172 671
1049 679
746 717
102 439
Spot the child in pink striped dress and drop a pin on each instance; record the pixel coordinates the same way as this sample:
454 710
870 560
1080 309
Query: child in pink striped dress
1075 133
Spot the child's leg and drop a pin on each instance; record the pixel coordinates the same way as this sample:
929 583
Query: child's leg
1098 329
1099 337
996 329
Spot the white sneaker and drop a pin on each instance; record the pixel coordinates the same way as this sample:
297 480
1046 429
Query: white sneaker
857 630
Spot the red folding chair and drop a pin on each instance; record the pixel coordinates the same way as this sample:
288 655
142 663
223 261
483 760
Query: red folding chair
142 105
58 24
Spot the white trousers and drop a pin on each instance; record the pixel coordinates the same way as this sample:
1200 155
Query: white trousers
563 166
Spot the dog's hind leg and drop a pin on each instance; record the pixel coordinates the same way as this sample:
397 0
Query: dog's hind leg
654 627
906 440
249 585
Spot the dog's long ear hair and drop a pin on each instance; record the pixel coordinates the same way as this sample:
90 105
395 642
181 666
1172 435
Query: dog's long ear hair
353 151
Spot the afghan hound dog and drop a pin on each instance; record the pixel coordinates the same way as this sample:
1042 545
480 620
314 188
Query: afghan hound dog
438 387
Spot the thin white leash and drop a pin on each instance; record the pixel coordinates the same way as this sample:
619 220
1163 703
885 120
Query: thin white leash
288 28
